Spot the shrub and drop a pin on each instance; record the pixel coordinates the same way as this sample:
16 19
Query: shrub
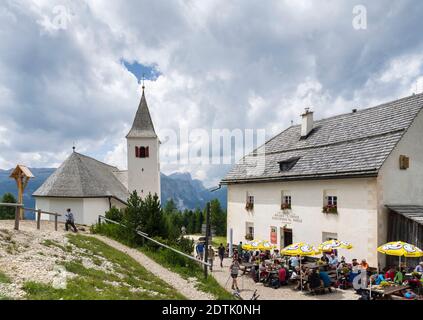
115 214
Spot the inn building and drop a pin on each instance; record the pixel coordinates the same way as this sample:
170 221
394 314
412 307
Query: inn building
356 177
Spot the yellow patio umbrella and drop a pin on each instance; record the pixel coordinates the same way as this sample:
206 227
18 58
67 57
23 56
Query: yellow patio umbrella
301 249
400 249
251 245
334 245
266 245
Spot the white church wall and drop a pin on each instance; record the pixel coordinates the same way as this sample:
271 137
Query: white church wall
144 173
93 208
356 221
59 205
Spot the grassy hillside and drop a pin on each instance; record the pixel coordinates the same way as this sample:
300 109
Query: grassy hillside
84 268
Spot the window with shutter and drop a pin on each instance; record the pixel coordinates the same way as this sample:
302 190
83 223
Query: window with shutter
147 152
137 152
142 152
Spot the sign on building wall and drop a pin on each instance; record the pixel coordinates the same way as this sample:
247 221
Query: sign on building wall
273 235
286 217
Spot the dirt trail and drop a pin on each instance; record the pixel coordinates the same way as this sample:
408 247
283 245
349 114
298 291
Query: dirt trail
185 287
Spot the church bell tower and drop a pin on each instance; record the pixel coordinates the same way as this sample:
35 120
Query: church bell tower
143 153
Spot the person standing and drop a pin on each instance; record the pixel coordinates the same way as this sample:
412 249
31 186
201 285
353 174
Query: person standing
200 250
240 249
234 268
210 257
221 252
70 220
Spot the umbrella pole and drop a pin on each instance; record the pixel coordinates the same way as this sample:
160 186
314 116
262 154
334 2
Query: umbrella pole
301 276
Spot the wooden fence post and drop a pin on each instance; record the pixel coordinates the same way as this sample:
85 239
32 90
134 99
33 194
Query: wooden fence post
55 222
38 219
17 217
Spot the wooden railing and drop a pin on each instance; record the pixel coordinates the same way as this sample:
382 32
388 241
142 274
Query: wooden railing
18 206
144 235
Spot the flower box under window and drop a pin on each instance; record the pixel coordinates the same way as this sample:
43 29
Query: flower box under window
330 209
249 205
285 206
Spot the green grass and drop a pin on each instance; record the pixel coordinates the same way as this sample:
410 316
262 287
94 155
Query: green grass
4 278
210 285
185 267
217 240
93 284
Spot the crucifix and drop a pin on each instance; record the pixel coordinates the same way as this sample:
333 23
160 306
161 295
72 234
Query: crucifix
21 174
142 81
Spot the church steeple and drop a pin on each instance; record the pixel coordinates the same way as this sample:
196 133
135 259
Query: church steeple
143 148
142 126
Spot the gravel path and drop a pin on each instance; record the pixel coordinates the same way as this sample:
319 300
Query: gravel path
185 287
247 287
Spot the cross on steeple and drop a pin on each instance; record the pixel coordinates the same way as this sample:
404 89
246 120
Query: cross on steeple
142 80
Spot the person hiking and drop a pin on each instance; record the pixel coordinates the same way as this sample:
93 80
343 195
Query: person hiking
234 268
221 251
70 220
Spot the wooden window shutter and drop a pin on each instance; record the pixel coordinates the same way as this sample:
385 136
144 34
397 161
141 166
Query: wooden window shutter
147 152
137 152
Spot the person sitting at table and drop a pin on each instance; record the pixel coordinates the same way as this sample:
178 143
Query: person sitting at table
333 261
325 258
355 270
415 281
364 265
295 274
314 281
294 261
399 277
276 255
379 278
327 282
282 274
263 272
246 256
390 274
419 267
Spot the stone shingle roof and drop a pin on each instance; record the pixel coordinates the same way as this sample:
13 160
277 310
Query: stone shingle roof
352 144
142 126
80 176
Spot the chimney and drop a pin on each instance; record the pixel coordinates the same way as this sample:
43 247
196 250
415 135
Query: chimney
307 123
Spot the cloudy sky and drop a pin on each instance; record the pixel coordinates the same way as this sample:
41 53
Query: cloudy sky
68 69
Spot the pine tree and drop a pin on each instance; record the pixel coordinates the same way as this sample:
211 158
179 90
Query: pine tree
7 213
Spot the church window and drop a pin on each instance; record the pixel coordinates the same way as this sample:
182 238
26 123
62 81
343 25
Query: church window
142 152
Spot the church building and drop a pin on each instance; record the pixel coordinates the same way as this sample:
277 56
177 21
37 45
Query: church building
90 187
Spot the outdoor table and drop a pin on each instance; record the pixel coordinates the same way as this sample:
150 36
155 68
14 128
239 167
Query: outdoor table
247 266
388 291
